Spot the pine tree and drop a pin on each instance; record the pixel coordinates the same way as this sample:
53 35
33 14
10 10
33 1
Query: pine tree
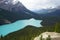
1 37
57 27
48 38
41 38
32 38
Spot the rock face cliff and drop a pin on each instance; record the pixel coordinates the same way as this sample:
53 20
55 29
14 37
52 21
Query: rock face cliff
53 35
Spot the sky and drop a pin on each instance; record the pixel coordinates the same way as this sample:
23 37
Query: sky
40 4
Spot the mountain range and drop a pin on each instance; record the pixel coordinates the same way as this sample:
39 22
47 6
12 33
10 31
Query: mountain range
13 12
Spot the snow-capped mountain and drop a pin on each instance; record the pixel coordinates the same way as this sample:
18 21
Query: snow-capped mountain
13 12
8 5
17 7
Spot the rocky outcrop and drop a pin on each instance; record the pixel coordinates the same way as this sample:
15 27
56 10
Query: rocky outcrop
53 35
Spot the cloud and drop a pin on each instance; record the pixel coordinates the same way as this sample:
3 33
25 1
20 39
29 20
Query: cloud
40 4
55 2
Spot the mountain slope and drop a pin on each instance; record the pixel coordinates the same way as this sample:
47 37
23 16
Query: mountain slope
51 18
14 12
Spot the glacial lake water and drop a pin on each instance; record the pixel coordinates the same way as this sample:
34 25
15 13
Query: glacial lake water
8 28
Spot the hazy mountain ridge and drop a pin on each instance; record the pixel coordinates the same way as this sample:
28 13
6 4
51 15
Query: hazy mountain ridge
48 10
50 18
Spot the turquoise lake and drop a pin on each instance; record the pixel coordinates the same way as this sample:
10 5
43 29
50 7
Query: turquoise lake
18 25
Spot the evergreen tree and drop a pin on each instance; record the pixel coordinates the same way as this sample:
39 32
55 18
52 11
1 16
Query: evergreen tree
41 38
57 27
1 37
32 38
48 38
